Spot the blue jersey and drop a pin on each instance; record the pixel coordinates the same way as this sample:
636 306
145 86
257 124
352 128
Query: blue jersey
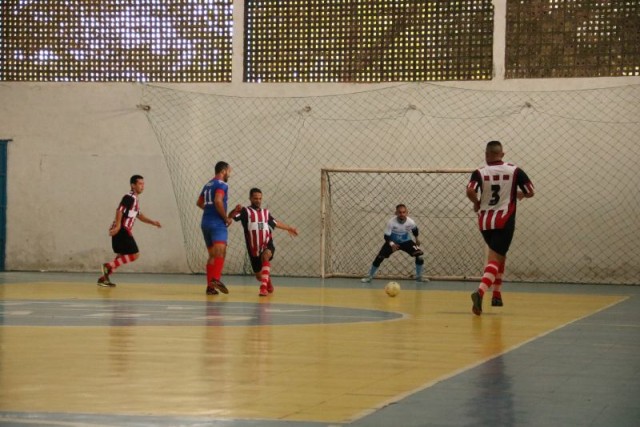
210 216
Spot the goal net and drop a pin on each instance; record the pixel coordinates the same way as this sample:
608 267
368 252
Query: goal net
357 203
579 147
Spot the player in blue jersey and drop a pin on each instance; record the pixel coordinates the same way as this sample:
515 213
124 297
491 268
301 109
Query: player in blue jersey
213 202
399 234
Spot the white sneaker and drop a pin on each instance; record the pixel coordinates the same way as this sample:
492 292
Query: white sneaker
366 279
422 279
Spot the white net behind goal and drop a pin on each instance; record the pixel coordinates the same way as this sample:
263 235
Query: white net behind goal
580 148
357 203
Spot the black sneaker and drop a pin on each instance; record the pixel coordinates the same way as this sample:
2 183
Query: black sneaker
212 291
477 303
105 282
496 302
216 284
106 271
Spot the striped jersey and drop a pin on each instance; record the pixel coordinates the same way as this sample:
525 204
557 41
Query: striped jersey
210 215
498 183
258 225
130 210
399 232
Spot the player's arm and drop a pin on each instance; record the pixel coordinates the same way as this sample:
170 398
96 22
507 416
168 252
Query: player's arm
117 222
394 246
200 201
526 186
416 233
126 203
148 220
239 215
387 235
234 214
218 202
288 228
472 190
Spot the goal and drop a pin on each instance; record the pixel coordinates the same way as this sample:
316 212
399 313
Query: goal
357 203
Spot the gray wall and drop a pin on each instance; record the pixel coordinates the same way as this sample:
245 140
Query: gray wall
74 147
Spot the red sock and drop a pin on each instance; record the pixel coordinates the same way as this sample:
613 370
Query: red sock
209 268
497 284
489 276
118 261
266 270
218 264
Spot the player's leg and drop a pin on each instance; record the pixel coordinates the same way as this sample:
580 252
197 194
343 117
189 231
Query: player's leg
488 277
126 249
385 252
498 242
420 270
501 246
215 239
261 272
267 256
256 267
215 265
413 250
496 297
207 234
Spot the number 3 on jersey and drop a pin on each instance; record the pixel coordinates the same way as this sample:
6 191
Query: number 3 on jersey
495 195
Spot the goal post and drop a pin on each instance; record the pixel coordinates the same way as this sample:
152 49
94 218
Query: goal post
356 204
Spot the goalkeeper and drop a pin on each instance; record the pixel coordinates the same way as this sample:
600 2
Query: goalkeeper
397 235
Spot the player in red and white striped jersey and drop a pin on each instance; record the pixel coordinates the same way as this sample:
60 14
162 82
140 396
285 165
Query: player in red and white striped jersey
498 183
122 241
258 224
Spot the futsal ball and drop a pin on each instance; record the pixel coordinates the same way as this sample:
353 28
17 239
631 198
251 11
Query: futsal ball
392 289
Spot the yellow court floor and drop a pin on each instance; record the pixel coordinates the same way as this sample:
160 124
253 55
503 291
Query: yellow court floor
329 352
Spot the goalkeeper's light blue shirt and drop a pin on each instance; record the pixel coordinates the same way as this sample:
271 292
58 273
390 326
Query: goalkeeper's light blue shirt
400 232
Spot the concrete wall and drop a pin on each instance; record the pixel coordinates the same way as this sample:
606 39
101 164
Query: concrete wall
75 145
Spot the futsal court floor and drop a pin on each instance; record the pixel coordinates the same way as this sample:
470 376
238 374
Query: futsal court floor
156 351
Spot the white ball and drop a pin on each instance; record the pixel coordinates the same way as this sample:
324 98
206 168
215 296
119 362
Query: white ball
392 289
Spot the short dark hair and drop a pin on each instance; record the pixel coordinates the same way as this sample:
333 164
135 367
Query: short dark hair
401 205
220 166
134 179
494 146
254 190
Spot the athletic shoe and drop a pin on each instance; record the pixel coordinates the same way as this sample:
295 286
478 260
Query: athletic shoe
270 287
106 271
422 279
217 284
212 291
496 302
477 303
366 279
263 291
105 282
418 252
